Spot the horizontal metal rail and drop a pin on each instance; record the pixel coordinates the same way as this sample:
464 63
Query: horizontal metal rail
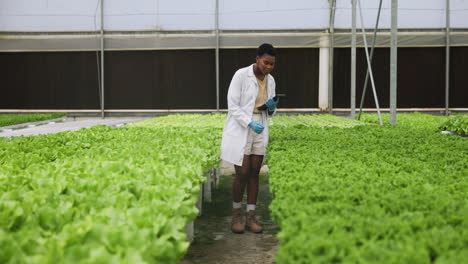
153 40
282 110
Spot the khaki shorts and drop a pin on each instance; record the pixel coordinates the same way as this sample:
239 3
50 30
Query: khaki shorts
255 145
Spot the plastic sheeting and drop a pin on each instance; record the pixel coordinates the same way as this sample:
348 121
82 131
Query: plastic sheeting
206 40
84 15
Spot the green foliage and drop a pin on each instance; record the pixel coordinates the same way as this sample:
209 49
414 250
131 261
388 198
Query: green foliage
185 121
413 120
318 120
370 194
457 123
13 119
102 195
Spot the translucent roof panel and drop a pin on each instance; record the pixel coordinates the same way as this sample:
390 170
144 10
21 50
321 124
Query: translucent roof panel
84 15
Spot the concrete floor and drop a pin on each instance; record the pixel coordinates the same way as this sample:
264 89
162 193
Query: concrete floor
214 242
63 124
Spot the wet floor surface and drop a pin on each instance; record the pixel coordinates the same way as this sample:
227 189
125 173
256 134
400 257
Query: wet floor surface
215 243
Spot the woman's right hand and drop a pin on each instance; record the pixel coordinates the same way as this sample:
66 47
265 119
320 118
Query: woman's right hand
256 126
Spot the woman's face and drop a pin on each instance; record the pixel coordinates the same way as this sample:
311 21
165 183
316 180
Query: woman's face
265 63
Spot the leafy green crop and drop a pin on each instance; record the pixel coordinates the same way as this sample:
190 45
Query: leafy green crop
103 195
13 119
319 120
457 123
369 193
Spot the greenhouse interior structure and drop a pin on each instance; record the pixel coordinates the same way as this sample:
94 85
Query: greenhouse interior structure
128 131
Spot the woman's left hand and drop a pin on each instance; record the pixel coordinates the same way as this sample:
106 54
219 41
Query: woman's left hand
271 104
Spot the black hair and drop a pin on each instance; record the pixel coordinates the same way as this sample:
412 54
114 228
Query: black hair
266 48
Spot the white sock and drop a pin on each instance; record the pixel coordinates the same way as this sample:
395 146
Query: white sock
236 205
250 207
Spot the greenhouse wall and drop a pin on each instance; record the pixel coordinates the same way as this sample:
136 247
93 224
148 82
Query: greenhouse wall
161 79
185 79
421 78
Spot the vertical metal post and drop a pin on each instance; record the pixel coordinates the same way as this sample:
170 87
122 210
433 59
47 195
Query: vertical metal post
393 62
353 61
364 38
217 54
324 54
102 58
330 63
447 56
374 40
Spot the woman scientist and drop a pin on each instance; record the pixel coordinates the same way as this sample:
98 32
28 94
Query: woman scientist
245 134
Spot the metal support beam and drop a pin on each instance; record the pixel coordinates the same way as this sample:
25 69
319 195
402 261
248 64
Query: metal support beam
393 62
369 66
330 63
374 40
217 54
102 58
447 56
324 54
353 61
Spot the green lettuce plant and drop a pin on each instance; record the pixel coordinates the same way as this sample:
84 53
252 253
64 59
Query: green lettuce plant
103 195
370 194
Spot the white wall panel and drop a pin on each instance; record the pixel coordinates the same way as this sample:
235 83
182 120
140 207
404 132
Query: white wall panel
273 14
459 13
411 14
47 15
298 19
421 14
159 15
186 14
46 23
129 15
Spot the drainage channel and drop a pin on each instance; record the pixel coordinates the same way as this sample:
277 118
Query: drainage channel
213 241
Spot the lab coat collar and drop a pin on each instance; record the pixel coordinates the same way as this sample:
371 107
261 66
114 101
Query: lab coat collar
251 73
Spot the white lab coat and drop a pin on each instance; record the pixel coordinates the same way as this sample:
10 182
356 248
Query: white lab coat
242 94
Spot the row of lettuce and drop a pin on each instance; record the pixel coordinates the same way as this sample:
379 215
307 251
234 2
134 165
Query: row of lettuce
13 119
457 124
370 193
104 195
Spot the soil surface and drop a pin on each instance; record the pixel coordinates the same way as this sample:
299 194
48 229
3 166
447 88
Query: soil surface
215 243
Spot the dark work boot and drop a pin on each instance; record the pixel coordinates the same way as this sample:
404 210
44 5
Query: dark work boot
252 222
237 224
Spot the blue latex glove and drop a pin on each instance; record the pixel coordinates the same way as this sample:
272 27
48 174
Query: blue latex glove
256 126
271 104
